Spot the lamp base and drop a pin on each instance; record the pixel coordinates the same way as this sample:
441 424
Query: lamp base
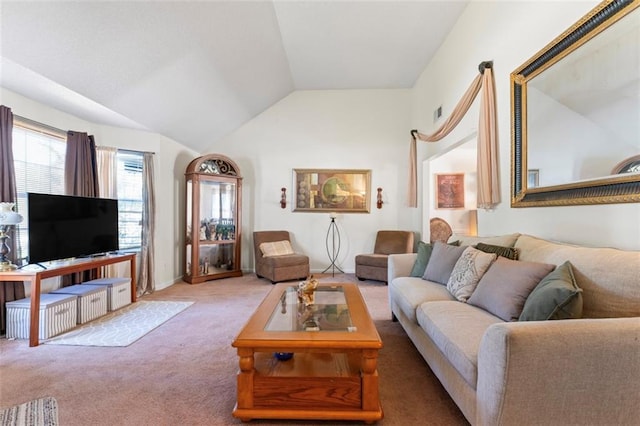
7 266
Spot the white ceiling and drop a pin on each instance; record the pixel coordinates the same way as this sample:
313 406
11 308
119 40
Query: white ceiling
194 71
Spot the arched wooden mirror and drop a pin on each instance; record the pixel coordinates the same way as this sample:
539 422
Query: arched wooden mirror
576 113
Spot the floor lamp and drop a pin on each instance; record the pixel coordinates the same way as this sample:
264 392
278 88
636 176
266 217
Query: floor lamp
7 218
333 245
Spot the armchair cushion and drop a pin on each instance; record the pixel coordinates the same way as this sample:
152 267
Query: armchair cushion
276 248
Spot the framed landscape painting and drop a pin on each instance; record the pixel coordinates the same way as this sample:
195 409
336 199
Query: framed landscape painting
332 190
450 191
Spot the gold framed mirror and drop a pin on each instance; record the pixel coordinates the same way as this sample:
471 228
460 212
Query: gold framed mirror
575 113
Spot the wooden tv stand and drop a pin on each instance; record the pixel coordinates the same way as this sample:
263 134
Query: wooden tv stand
56 269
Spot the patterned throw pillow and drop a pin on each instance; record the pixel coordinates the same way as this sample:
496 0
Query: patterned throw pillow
508 252
468 270
276 248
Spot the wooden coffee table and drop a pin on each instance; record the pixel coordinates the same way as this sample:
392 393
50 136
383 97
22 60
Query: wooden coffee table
333 372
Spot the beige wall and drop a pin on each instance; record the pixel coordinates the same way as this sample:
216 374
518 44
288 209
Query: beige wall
509 33
333 129
170 162
369 129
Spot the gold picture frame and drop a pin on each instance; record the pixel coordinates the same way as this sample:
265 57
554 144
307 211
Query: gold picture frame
450 191
332 190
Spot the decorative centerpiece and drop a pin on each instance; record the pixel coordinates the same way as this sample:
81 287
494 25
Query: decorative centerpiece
306 291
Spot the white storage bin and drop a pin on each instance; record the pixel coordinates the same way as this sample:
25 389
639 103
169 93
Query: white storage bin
92 300
118 291
58 313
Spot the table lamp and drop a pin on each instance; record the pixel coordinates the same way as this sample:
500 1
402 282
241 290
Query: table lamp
7 218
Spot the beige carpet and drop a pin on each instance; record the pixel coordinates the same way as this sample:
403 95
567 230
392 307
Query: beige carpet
39 412
184 371
123 326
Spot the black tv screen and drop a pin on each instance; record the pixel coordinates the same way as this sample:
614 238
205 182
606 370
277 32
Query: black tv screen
63 226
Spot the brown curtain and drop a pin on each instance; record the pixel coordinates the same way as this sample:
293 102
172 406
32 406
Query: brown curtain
488 183
80 165
81 179
9 291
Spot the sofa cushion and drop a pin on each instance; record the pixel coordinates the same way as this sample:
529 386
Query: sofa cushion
608 277
443 259
556 297
424 254
276 248
467 271
508 240
377 260
456 329
505 286
408 293
508 252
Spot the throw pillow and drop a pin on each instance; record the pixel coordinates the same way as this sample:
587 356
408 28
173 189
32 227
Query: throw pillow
276 248
508 252
443 259
504 288
556 297
422 259
467 271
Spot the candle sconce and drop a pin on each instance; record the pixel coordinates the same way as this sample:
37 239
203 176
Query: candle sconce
379 202
283 198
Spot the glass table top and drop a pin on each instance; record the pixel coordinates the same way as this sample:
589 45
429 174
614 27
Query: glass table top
329 312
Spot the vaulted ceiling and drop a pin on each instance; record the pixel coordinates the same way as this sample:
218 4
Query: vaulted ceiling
194 71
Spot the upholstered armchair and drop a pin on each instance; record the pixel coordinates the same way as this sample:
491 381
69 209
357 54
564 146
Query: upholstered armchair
373 266
275 259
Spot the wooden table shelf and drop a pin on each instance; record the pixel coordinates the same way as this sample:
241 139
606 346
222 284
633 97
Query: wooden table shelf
34 274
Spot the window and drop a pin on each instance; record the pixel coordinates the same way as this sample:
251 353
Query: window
130 199
38 158
39 155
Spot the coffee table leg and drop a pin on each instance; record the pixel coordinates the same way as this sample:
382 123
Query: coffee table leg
370 396
245 379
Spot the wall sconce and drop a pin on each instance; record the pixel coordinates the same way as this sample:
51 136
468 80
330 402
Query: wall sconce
379 202
283 198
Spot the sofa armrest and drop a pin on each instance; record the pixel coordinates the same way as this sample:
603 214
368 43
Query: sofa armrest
400 265
560 372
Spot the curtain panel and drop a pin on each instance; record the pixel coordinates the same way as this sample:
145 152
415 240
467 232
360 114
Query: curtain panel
80 179
80 168
9 291
488 174
146 280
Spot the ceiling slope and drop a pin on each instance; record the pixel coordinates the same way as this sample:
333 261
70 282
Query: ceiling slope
196 71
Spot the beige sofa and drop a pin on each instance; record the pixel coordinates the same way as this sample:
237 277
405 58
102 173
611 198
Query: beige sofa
564 372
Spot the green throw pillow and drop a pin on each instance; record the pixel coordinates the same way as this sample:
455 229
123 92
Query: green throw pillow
556 297
508 252
424 253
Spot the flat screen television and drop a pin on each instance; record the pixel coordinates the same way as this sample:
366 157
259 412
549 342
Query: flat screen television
63 226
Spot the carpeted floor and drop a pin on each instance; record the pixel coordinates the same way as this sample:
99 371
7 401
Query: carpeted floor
184 371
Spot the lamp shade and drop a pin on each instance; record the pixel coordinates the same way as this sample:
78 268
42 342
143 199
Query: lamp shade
8 216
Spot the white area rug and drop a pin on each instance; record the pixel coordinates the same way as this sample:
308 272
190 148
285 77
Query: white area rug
39 412
121 327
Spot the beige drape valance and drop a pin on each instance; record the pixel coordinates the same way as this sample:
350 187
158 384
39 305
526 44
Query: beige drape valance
488 174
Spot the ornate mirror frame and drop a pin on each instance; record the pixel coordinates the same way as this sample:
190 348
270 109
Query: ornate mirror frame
624 188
